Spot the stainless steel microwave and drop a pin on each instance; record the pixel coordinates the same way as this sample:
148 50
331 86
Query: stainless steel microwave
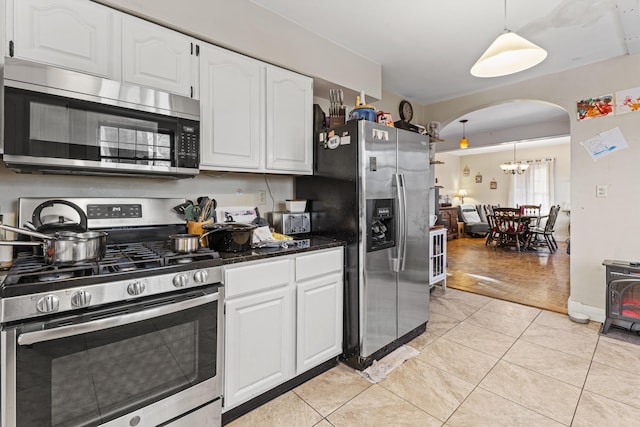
61 121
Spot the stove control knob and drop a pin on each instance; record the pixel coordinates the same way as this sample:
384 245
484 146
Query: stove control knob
180 281
135 288
48 304
80 298
200 276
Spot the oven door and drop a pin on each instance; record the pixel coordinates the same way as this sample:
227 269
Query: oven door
143 363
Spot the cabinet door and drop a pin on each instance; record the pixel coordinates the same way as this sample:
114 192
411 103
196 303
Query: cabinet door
259 344
437 255
157 57
289 122
73 34
231 110
319 335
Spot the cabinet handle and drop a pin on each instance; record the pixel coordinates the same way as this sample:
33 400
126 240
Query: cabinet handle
11 47
197 50
192 91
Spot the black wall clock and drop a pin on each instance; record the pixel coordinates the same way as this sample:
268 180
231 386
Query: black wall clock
406 111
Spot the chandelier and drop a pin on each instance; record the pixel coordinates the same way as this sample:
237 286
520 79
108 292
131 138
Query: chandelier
512 168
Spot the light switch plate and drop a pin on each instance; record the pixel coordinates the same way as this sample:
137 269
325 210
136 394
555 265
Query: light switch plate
601 190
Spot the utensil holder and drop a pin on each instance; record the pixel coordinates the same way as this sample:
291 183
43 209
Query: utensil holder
195 227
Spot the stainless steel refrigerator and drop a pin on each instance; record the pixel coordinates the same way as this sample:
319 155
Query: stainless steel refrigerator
371 188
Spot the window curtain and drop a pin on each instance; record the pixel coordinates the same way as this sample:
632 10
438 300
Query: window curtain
535 186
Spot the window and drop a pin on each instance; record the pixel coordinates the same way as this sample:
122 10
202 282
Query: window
535 186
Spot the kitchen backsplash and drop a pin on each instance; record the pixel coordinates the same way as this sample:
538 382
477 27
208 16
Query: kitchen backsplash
230 189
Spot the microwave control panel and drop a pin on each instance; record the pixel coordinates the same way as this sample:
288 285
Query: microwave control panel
188 147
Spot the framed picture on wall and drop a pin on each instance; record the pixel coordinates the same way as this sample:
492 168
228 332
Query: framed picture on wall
478 178
493 185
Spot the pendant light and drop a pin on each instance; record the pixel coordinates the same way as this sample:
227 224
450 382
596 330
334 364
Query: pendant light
508 54
464 142
512 168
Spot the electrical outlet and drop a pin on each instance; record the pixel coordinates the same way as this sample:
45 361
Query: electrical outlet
601 190
262 197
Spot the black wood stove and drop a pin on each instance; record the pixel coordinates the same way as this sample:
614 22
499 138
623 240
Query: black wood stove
623 295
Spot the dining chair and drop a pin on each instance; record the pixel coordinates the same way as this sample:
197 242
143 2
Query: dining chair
532 212
493 232
544 235
510 228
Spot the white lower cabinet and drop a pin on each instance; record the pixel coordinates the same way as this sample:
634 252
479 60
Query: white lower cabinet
319 335
260 331
283 316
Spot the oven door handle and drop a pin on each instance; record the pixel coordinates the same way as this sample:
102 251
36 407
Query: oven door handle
34 337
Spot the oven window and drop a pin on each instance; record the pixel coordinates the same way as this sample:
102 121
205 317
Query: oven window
89 379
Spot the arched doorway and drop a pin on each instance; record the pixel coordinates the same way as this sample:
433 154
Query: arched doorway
541 131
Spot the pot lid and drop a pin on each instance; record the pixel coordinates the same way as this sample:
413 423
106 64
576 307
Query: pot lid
229 226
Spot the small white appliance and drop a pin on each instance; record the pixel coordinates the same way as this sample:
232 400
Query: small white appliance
291 222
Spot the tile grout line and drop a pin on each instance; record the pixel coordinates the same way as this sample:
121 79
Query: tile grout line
494 366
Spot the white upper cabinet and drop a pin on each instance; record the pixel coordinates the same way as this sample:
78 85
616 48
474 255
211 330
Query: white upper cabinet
75 34
158 57
289 121
231 110
255 117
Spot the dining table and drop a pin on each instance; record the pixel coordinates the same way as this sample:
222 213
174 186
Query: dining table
505 218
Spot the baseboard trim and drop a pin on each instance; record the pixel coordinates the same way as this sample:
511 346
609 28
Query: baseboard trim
595 313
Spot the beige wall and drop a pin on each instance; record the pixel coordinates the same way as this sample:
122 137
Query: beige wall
595 234
450 176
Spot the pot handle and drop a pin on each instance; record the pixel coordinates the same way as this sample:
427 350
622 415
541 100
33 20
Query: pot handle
27 232
35 218
19 243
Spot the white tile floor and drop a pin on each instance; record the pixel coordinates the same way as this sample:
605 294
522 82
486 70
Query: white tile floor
482 362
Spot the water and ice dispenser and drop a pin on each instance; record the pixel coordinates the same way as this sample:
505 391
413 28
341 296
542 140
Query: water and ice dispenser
381 224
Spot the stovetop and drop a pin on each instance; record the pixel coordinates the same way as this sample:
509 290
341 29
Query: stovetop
30 274
138 262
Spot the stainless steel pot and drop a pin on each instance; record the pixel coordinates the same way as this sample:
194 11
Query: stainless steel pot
184 243
229 237
64 247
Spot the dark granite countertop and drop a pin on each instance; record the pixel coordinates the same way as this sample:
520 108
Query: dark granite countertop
306 244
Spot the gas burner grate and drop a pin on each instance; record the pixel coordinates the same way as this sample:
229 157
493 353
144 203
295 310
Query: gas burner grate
29 268
119 258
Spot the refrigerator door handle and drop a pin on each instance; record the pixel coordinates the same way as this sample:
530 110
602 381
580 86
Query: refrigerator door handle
399 222
404 223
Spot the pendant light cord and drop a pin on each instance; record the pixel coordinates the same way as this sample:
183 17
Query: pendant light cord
505 16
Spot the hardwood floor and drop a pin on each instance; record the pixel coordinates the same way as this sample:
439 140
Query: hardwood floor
535 278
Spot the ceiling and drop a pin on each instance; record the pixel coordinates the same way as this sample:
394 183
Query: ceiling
427 47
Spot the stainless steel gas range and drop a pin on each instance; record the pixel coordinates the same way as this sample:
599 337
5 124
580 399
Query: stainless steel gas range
132 339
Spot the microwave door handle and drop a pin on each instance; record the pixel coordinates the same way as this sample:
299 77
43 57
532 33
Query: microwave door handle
34 337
